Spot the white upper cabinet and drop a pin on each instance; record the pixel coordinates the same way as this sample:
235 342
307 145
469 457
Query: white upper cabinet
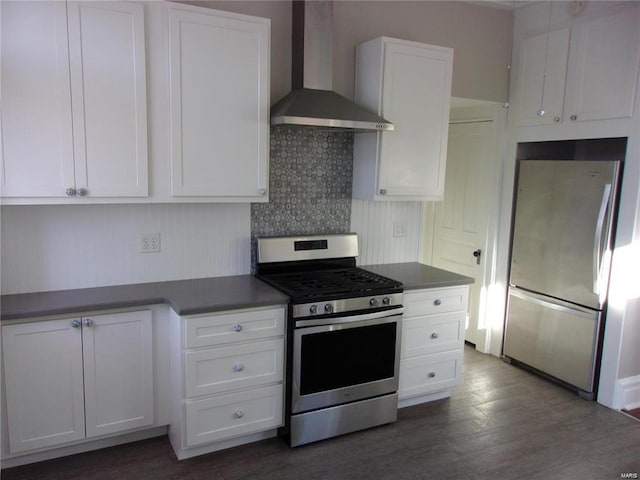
37 141
604 52
109 99
409 84
585 71
219 102
73 100
535 78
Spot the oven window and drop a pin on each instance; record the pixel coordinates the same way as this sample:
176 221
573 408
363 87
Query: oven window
341 358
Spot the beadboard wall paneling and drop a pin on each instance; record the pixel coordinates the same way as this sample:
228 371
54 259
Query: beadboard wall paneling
374 224
69 246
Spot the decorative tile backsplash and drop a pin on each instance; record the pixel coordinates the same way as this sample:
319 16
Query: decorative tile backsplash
310 175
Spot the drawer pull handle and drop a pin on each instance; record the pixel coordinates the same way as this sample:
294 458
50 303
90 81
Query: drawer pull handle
431 374
434 335
239 414
238 367
437 302
237 327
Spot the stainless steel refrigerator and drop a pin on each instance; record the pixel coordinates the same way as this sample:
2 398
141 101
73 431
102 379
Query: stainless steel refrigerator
560 257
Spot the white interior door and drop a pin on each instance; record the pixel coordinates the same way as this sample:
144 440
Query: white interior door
464 221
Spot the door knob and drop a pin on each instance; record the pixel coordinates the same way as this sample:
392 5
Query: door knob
477 254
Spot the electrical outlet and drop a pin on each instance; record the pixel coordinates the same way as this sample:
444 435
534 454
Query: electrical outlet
399 229
150 243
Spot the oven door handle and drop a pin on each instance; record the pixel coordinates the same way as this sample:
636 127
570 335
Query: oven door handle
352 318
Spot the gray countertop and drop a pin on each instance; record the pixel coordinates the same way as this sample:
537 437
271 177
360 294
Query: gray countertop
188 297
415 276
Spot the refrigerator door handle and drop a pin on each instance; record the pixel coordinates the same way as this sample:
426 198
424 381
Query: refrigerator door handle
597 240
556 304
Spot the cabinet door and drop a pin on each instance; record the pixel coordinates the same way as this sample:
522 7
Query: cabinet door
219 98
43 381
605 52
118 371
108 86
416 96
37 143
542 71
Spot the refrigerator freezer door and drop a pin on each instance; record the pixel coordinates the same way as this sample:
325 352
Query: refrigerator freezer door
562 229
553 337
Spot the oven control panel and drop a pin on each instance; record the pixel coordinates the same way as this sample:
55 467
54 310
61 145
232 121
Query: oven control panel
347 305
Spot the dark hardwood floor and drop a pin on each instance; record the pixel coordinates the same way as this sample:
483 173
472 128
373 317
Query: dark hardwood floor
502 423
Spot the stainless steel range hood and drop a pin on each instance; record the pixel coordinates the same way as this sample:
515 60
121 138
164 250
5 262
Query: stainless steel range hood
312 103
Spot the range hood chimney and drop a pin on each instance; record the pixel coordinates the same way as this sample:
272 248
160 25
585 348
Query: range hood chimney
311 102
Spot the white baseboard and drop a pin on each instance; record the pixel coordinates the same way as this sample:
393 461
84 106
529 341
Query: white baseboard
24 459
627 393
224 444
408 402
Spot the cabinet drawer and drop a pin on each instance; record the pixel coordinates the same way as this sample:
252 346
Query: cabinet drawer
222 369
429 373
228 416
436 300
432 334
237 326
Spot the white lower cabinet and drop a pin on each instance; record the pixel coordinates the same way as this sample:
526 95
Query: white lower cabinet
77 378
224 416
228 378
432 343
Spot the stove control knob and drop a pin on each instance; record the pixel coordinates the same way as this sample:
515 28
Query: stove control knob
328 308
386 301
313 309
373 302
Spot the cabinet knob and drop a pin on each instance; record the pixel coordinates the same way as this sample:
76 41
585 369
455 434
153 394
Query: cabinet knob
262 191
82 192
556 119
383 191
238 367
87 322
574 117
70 192
437 302
540 113
237 327
431 374
239 414
434 335
76 324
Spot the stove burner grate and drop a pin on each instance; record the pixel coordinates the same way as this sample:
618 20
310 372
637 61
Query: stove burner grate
320 284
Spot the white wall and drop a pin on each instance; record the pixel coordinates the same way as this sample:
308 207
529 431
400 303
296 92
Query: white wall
61 247
373 222
69 246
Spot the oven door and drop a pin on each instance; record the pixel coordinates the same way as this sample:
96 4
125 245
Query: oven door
352 358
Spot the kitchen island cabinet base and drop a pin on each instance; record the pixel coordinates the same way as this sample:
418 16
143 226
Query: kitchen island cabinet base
227 374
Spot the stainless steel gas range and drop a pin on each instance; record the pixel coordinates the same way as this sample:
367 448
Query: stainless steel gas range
343 341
